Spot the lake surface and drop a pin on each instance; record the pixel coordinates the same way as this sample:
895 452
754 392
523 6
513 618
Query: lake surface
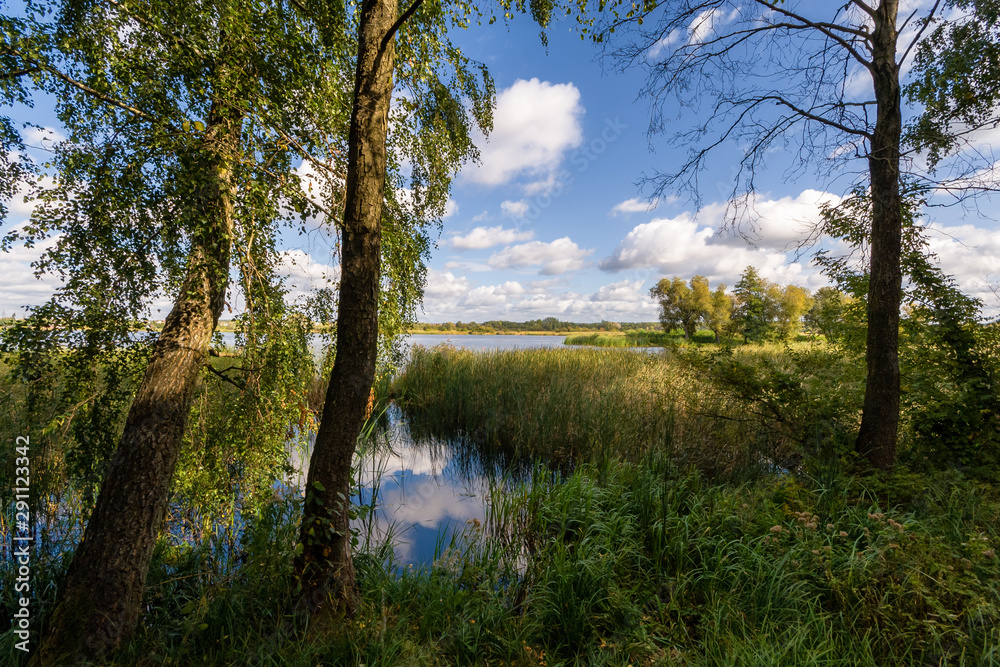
425 491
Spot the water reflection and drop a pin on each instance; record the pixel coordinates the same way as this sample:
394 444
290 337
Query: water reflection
422 491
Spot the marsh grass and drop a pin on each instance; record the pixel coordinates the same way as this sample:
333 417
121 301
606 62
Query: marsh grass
616 563
635 535
732 414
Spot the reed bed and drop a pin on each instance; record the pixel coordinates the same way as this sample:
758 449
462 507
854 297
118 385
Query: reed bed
718 413
634 536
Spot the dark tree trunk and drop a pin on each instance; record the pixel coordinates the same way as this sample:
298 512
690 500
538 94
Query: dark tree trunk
880 416
325 566
98 606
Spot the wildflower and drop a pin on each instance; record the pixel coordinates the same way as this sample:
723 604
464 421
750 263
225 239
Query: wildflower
815 552
843 533
827 548
829 526
989 553
776 529
898 526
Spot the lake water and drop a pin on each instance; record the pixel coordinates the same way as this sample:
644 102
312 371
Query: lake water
470 342
425 492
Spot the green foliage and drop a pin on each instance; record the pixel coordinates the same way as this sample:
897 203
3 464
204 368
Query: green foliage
628 557
753 309
621 563
948 354
628 339
232 458
956 77
828 313
682 305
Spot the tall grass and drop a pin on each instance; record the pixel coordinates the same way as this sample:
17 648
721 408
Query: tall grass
617 563
720 413
641 549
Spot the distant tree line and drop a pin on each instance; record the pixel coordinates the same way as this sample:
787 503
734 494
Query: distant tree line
548 324
756 310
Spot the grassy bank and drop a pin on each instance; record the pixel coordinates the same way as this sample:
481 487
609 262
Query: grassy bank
632 339
620 563
676 509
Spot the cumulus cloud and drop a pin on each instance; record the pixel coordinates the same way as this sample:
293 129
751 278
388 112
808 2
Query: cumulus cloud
487 296
972 256
626 290
304 274
455 298
514 209
634 205
487 237
684 245
535 123
18 284
779 224
559 256
444 284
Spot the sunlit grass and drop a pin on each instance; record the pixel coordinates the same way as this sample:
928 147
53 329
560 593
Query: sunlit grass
649 525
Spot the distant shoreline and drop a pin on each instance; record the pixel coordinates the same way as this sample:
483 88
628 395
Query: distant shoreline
420 332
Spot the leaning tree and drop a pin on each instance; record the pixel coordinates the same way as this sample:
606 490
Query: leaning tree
174 161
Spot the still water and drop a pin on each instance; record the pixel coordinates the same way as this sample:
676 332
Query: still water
430 340
426 491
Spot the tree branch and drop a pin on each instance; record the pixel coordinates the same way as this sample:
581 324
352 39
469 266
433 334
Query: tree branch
399 22
223 376
18 73
821 27
920 32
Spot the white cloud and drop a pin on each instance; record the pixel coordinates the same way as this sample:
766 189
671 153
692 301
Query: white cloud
514 209
559 256
623 301
487 237
779 224
467 266
972 256
535 123
634 205
685 246
45 136
487 296
626 290
444 285
304 274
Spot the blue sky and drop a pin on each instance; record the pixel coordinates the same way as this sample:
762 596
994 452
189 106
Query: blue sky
551 223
